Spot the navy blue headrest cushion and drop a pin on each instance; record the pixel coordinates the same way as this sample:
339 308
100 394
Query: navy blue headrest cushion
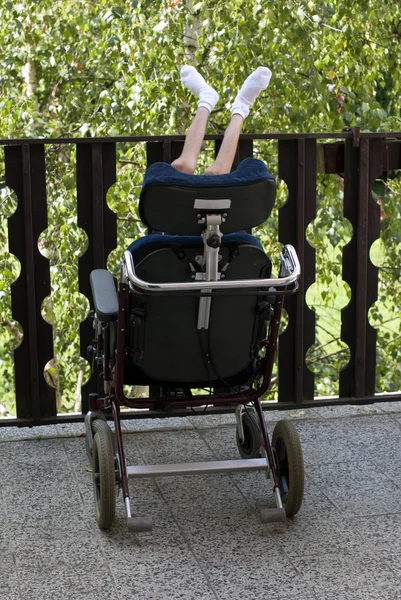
167 198
250 170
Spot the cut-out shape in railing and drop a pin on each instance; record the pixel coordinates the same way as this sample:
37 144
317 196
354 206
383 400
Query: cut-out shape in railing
11 333
385 313
66 365
25 174
123 198
328 234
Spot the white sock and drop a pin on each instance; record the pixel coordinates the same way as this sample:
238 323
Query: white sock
194 81
251 88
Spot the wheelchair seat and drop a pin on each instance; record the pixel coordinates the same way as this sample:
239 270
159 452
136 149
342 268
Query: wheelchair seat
165 341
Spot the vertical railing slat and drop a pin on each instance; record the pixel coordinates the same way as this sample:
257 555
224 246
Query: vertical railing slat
363 165
297 167
96 173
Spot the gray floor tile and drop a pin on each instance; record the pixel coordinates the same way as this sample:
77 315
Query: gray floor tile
345 572
156 424
69 583
209 421
71 429
296 414
271 578
384 467
52 500
172 447
330 412
271 416
366 501
7 434
212 520
69 550
383 535
259 492
199 490
315 536
222 443
397 417
377 592
184 583
393 406
50 528
349 440
236 541
9 588
165 548
347 475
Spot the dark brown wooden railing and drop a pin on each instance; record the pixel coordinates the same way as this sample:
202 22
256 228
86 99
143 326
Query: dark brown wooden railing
360 157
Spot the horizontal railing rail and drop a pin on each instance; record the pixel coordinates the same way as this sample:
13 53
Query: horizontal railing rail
360 157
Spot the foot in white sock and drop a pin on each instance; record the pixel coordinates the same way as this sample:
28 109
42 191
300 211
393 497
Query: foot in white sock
251 88
194 81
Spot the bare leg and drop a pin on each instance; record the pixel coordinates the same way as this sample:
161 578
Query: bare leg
193 142
208 97
228 148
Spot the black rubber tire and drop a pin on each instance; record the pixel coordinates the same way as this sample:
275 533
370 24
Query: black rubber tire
253 442
288 454
103 474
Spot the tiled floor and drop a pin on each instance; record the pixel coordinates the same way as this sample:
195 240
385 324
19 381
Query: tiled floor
208 542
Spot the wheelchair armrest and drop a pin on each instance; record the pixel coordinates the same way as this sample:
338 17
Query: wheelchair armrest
104 295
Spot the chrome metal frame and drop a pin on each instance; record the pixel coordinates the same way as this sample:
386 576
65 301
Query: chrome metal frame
290 271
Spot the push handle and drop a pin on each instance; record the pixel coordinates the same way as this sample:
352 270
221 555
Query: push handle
290 271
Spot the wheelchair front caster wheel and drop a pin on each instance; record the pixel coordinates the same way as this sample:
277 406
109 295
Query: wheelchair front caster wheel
251 445
287 452
103 474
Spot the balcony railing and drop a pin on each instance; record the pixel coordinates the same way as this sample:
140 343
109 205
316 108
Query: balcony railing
361 158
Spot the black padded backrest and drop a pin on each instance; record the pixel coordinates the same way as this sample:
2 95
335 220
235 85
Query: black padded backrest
171 208
164 342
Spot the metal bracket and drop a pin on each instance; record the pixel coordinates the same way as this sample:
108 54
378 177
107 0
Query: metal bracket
239 411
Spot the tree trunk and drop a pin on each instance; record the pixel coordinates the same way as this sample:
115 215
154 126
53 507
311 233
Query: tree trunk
191 34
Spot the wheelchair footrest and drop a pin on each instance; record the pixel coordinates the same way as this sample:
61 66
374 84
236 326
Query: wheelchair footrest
139 524
273 515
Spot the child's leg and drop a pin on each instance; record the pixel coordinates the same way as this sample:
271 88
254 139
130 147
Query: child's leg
228 148
193 142
194 138
253 85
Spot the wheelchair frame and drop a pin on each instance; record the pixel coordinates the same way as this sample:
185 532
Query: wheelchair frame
113 376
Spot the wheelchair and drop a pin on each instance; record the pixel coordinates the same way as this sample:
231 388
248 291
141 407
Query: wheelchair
196 309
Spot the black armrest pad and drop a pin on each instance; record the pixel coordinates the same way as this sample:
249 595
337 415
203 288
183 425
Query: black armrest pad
104 295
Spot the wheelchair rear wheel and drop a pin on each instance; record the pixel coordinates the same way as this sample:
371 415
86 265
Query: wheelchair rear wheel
290 466
251 446
103 473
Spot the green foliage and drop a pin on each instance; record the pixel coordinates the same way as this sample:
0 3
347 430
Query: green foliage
86 68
